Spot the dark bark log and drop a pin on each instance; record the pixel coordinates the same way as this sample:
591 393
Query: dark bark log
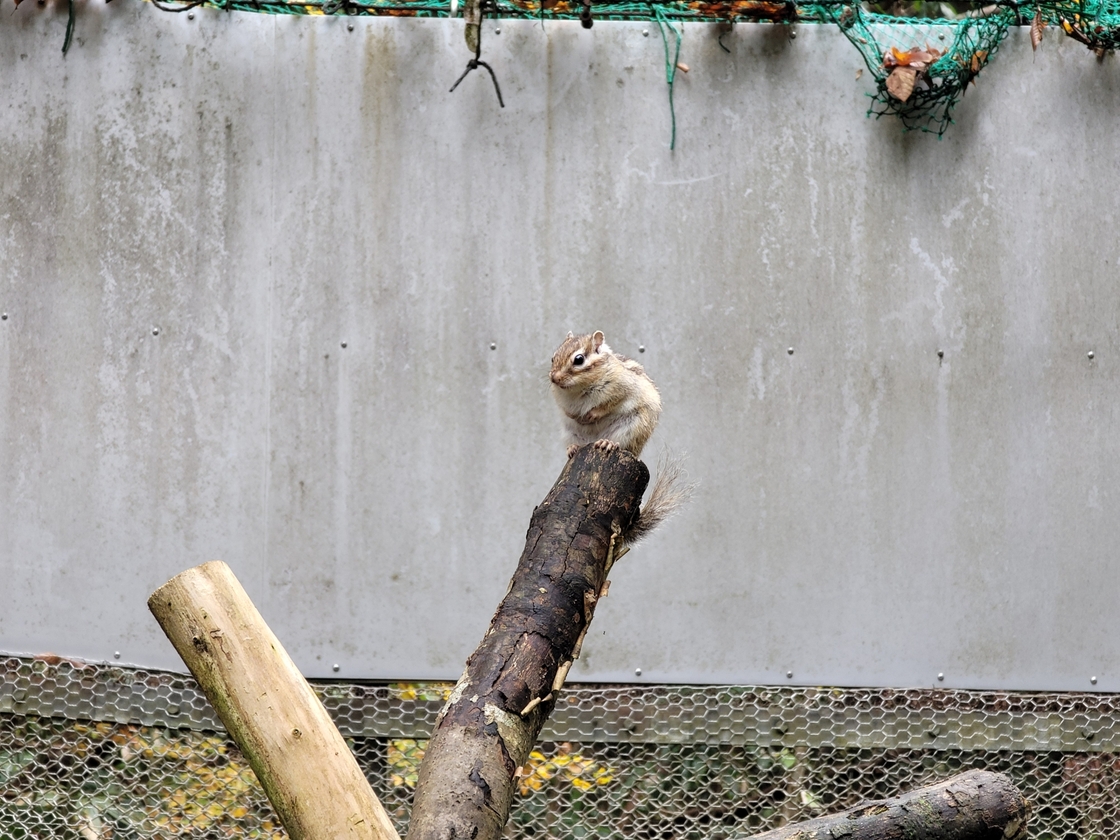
486 730
977 805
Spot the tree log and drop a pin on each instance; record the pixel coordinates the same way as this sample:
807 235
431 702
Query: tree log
299 756
977 805
484 734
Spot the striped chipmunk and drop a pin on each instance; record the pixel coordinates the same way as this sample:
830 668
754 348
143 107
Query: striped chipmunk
610 401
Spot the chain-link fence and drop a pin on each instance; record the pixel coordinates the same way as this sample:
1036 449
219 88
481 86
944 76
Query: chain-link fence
93 752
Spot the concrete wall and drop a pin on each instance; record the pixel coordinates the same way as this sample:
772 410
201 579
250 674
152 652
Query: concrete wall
262 189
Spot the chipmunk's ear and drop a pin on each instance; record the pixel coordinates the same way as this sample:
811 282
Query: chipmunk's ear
570 334
597 340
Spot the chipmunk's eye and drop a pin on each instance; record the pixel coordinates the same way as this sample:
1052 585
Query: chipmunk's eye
578 359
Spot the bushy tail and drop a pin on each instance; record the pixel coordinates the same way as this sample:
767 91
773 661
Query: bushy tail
668 495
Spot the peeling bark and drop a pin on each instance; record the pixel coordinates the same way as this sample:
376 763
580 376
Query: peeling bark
488 727
977 805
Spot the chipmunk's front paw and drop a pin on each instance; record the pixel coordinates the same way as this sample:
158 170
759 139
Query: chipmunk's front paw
573 448
606 445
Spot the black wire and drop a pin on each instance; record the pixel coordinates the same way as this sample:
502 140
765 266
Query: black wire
476 62
183 8
719 40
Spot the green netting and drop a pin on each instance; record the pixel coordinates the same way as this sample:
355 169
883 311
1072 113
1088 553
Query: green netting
664 10
666 27
1095 23
922 66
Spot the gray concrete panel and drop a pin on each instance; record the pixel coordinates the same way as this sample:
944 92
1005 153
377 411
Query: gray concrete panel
262 189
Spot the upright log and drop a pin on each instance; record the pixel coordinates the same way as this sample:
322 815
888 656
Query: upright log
485 732
299 756
977 805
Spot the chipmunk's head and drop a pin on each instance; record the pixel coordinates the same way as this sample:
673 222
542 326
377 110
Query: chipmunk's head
577 357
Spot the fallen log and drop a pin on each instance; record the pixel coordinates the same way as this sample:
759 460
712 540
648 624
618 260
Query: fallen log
299 756
484 734
977 805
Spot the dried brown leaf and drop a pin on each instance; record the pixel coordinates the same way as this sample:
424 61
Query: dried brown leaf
1037 27
900 83
917 58
896 58
1073 32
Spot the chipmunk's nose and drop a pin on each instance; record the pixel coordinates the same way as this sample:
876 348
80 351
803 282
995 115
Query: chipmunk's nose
555 377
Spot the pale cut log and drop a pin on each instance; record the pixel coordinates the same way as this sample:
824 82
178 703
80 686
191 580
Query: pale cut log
976 805
299 756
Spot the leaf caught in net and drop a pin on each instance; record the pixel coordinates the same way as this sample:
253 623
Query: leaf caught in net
900 82
944 55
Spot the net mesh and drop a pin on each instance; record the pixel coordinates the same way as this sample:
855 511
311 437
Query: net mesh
1095 23
922 66
95 751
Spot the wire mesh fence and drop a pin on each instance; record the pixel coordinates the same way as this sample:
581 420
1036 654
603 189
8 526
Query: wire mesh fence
94 751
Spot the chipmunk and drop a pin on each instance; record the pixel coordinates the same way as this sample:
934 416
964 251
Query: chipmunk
608 400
